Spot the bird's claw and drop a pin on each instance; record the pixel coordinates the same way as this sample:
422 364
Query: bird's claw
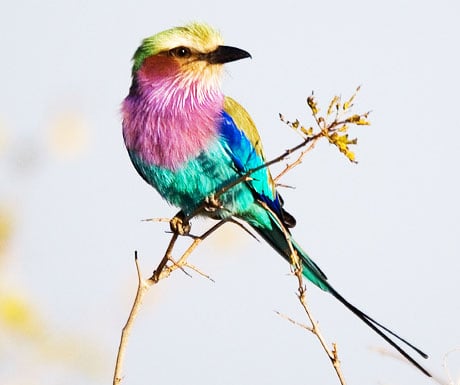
212 204
180 225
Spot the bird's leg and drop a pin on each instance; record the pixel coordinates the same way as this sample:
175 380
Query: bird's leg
180 224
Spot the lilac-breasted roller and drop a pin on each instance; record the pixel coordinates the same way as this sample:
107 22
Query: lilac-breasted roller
188 140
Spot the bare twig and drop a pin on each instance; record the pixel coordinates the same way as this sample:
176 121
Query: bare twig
161 267
294 322
197 270
314 328
298 161
142 287
164 220
301 295
332 354
162 271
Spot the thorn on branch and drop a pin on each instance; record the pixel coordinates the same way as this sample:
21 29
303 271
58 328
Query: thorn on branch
195 269
294 322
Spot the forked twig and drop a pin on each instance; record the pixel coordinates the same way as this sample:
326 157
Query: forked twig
161 272
331 353
298 161
294 322
142 288
301 295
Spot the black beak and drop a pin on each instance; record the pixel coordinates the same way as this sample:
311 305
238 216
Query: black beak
225 54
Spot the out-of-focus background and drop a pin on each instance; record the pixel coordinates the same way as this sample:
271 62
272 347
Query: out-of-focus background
386 231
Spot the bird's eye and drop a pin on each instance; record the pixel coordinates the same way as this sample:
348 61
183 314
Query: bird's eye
182 52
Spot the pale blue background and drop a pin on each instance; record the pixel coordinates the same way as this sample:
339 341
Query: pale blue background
386 231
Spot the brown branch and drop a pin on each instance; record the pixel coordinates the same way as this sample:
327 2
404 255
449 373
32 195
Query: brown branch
142 288
197 270
298 161
332 354
164 220
301 295
294 322
161 267
161 272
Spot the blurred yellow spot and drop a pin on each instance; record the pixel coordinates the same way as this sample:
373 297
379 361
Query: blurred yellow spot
68 135
19 318
16 314
6 228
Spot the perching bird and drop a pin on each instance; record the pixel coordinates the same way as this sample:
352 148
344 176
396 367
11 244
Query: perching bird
188 140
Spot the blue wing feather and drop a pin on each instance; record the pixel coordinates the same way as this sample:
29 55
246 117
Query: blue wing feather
245 158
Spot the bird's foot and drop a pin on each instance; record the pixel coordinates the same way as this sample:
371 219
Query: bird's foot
179 224
212 204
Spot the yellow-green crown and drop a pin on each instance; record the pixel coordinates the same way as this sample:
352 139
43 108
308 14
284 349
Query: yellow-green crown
198 36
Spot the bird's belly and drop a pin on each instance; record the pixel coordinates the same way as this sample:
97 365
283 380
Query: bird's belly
197 179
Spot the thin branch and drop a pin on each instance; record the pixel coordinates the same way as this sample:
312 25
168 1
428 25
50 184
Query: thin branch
294 322
332 354
197 270
301 295
183 259
164 220
181 268
142 288
162 271
159 270
298 161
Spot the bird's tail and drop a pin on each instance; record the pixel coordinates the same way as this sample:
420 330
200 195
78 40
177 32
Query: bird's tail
277 238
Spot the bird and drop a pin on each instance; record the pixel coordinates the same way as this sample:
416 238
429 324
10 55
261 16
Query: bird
190 141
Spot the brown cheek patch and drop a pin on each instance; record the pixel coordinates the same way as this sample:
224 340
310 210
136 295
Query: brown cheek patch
159 66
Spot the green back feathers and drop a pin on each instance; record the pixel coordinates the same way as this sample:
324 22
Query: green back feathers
198 36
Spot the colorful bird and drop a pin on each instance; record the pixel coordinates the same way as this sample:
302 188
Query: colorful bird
188 140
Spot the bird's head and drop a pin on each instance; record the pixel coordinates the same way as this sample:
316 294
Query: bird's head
192 52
